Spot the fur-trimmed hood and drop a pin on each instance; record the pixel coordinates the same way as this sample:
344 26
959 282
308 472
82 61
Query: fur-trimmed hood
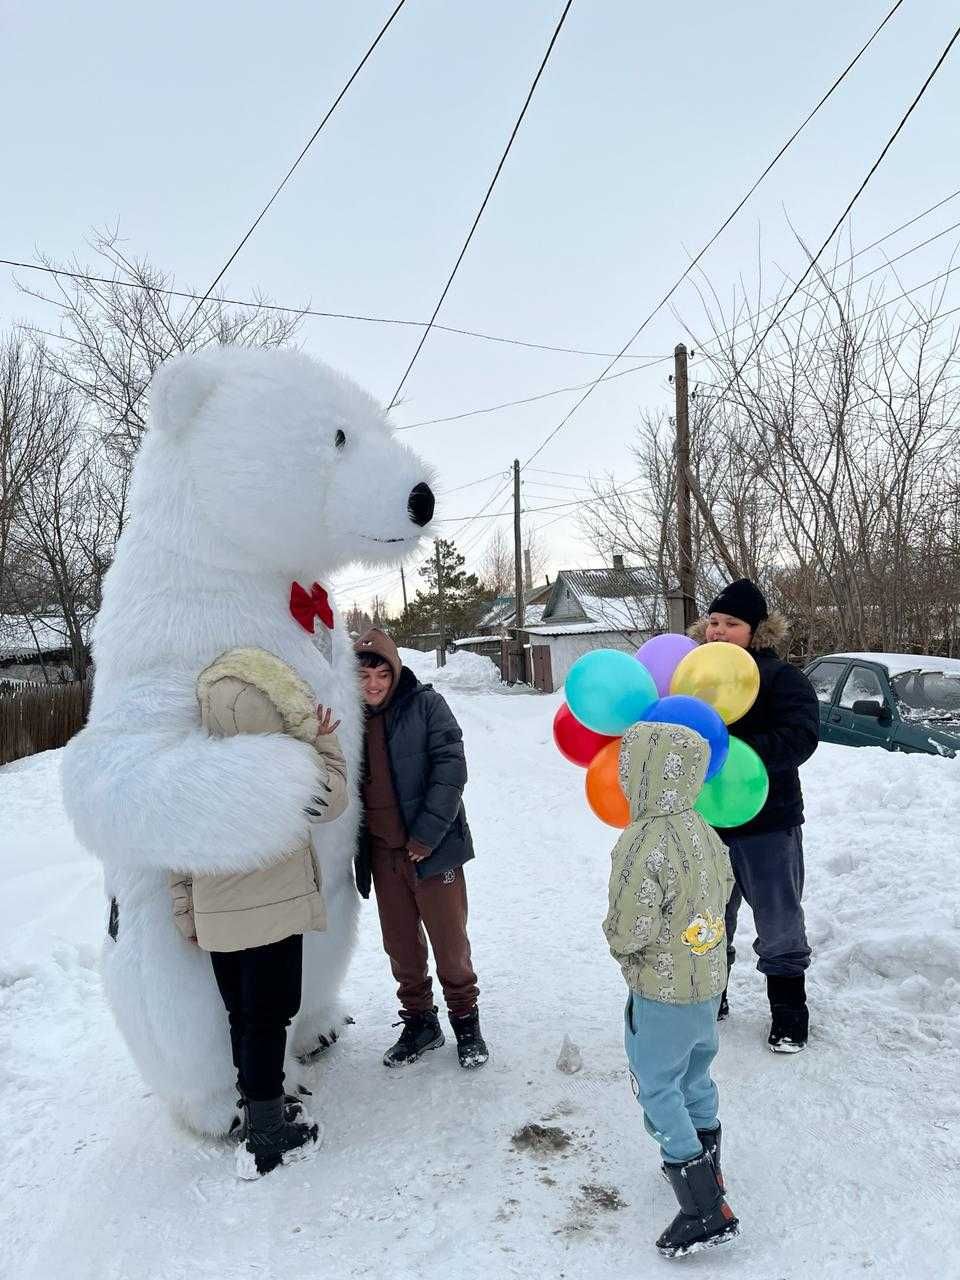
770 634
264 672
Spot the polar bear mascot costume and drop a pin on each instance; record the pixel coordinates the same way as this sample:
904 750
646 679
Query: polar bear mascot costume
261 474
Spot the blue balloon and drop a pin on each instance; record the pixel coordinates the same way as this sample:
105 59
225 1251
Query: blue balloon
678 708
609 690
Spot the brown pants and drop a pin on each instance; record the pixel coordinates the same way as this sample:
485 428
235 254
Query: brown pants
407 906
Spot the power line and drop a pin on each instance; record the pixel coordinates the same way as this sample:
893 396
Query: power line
483 205
289 174
312 312
701 345
853 200
723 226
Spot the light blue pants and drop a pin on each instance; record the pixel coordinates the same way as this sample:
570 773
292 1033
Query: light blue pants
670 1048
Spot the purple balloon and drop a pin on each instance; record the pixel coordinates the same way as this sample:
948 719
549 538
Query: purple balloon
662 655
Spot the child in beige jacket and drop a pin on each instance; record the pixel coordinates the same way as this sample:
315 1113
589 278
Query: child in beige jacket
253 922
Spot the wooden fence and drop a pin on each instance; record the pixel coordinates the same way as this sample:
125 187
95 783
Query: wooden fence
40 717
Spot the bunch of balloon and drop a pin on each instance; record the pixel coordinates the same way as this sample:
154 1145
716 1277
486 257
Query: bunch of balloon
670 680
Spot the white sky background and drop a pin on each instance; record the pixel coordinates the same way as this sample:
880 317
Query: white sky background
176 121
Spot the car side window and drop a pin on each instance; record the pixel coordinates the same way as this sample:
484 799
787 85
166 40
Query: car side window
824 677
861 685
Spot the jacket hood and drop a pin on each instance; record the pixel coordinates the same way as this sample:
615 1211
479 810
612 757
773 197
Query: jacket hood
269 675
380 644
769 634
662 768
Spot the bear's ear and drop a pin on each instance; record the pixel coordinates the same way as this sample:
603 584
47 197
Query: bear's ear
178 391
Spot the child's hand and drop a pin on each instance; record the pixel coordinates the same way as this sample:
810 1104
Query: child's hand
325 723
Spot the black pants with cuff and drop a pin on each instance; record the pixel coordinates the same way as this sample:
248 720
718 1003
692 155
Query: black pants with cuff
261 990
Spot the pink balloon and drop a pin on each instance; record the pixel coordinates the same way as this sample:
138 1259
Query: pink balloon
661 655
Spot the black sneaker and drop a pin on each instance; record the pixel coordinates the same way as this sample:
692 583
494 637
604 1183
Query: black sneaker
705 1219
421 1032
471 1048
272 1140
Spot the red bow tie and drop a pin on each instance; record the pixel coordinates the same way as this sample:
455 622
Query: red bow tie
307 606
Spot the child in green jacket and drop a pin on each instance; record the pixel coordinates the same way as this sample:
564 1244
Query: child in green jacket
669 885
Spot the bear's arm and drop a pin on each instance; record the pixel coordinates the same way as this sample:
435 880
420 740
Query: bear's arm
189 802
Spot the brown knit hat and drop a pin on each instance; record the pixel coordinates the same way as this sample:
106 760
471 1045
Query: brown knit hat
379 645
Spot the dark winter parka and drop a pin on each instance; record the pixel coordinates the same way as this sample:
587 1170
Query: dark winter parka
782 726
429 773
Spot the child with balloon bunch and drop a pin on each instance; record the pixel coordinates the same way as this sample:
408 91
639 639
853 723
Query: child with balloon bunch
662 764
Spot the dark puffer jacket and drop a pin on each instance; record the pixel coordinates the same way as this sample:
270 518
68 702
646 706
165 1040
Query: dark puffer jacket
782 726
429 771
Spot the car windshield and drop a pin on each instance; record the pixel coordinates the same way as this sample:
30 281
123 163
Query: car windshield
927 695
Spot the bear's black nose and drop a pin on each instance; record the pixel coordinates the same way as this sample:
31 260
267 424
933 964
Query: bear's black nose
421 505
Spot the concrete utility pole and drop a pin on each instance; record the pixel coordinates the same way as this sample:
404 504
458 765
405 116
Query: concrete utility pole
527 570
519 673
684 541
442 652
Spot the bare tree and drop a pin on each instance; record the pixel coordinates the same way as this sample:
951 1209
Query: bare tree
120 320
496 570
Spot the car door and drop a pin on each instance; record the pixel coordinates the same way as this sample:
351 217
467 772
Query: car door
863 684
826 676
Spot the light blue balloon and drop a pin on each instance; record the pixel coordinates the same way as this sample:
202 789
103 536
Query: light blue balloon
609 690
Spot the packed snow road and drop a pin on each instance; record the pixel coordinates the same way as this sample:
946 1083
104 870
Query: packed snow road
840 1161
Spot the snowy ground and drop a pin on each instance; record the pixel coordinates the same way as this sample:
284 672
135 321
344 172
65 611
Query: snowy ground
839 1162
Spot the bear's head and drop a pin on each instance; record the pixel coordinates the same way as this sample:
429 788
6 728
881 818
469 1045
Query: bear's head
278 463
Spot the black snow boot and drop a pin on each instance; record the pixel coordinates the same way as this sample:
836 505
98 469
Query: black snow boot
710 1141
471 1048
293 1109
421 1031
723 1013
705 1219
273 1140
790 1019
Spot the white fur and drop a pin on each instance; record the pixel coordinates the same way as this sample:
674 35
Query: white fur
238 490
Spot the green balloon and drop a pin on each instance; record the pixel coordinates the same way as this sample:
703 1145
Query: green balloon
738 792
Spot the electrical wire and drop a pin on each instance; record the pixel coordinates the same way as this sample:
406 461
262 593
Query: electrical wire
483 205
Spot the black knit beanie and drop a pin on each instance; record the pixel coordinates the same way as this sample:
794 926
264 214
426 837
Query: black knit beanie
743 599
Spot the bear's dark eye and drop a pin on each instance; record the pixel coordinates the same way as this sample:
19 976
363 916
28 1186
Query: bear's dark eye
340 439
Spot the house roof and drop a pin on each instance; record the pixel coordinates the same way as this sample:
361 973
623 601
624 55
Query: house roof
502 612
603 600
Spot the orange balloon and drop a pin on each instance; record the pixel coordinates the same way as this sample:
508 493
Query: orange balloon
604 793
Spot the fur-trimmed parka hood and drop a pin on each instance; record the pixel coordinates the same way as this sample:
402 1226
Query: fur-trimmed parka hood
770 634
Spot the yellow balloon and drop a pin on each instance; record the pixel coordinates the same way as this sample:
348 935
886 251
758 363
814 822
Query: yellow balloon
722 675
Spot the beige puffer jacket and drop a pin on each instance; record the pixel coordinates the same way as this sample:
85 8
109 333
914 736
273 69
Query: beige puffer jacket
252 691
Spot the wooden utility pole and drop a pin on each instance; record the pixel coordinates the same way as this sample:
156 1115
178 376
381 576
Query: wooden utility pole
520 618
442 652
684 540
403 583
527 569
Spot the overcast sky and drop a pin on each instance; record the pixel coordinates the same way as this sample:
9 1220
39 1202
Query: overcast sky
176 121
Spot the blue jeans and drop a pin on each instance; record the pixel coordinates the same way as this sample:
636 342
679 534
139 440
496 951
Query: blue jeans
670 1048
768 869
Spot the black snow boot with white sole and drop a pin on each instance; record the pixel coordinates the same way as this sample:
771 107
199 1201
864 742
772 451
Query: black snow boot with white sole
272 1140
789 1017
471 1047
421 1032
705 1219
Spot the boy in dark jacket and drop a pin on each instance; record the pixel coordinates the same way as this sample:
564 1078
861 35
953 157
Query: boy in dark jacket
413 844
783 727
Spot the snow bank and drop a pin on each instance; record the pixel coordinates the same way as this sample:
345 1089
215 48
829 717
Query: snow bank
464 672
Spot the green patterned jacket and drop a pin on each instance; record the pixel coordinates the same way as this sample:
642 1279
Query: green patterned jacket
670 878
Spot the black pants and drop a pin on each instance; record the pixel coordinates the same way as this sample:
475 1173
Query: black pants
768 868
261 990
